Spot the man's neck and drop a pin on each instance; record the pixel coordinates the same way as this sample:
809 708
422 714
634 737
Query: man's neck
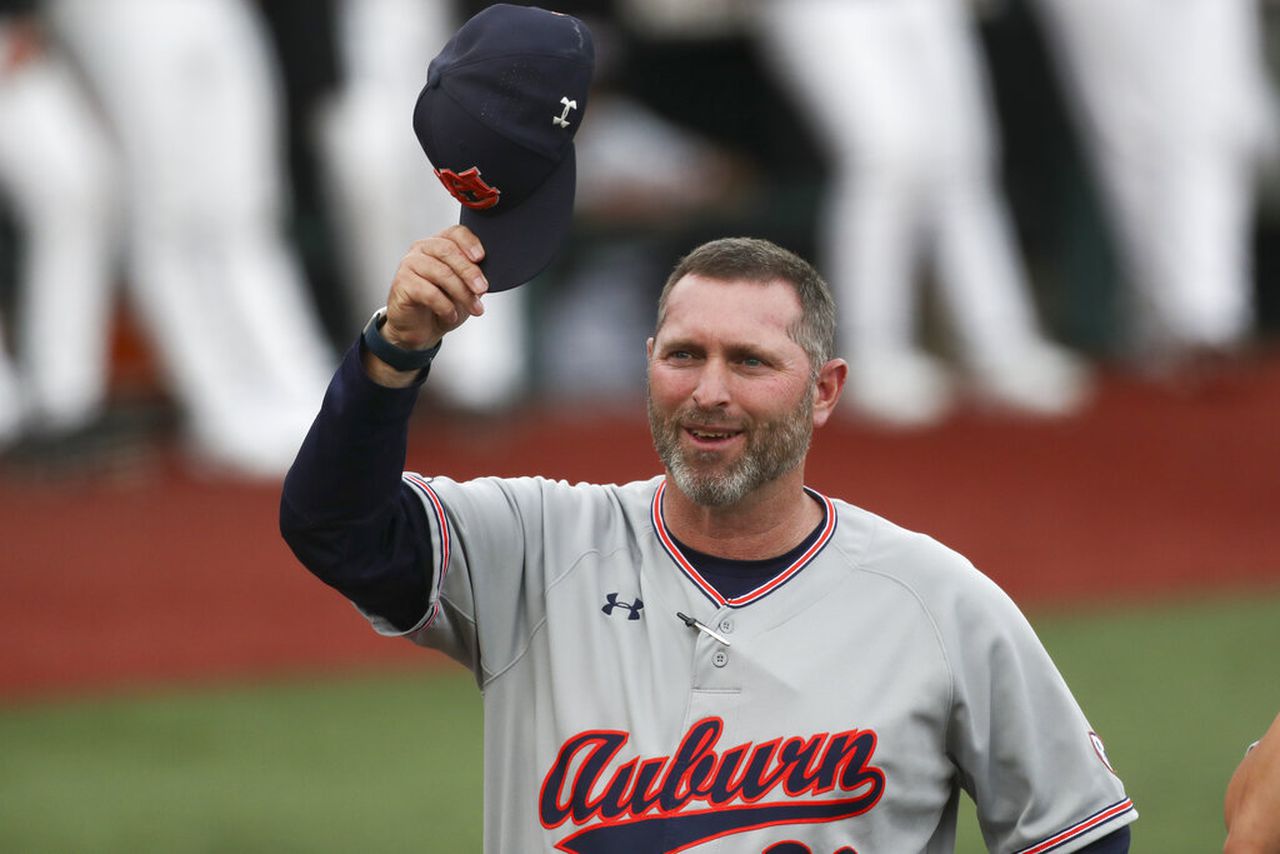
769 522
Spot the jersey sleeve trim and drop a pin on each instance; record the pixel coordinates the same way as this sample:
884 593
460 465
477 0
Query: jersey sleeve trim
443 545
1104 816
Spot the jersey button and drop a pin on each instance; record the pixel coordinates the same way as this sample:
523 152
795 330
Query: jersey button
720 659
726 625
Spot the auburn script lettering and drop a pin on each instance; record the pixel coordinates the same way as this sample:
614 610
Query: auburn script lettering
700 792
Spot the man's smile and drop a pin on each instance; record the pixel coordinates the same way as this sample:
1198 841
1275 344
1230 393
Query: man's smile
707 438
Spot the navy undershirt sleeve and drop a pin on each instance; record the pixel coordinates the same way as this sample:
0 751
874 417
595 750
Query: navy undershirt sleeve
1112 843
344 510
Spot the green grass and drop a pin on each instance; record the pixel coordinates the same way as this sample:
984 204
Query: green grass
366 764
391 762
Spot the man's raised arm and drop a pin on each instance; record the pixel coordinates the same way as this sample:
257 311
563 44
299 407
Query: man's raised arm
344 510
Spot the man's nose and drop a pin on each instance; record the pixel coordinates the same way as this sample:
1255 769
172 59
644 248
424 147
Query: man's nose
712 389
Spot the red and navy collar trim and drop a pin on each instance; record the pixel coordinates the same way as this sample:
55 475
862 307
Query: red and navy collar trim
673 550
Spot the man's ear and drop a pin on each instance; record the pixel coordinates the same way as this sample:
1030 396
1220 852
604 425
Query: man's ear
648 350
827 388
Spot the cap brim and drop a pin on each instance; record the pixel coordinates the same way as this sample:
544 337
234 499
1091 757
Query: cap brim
521 242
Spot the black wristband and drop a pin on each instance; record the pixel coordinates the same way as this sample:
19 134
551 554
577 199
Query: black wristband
397 357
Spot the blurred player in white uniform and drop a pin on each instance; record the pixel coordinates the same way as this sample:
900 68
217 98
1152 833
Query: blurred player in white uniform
897 92
191 93
55 177
1175 109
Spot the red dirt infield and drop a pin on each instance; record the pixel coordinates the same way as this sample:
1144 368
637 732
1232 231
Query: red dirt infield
109 582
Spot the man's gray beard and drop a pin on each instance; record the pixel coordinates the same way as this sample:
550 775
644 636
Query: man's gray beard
774 448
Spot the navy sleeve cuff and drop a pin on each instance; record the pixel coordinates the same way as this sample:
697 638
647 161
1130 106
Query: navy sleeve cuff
354 453
344 510
1112 843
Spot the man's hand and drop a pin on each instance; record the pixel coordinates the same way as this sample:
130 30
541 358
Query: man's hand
1252 804
436 288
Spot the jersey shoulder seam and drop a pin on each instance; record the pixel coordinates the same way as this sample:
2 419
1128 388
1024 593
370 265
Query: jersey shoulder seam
493 676
858 564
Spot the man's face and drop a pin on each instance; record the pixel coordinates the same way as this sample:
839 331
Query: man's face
730 393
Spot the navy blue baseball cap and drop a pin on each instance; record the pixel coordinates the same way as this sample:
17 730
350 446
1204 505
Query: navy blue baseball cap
497 118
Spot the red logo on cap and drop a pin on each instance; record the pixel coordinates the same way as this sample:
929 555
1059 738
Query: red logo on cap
469 188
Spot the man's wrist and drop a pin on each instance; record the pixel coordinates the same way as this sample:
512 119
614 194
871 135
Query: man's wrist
400 358
389 364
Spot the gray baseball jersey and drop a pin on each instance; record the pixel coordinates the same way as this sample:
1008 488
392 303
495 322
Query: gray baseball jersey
838 708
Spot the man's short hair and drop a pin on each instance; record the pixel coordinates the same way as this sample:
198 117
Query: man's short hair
756 260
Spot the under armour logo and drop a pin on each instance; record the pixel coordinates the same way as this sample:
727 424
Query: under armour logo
633 610
562 120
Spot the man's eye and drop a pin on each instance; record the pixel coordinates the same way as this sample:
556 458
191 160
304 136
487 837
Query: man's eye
752 362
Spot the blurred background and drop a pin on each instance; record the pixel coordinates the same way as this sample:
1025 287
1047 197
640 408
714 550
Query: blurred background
1053 227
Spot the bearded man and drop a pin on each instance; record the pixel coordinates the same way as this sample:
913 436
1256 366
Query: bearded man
717 659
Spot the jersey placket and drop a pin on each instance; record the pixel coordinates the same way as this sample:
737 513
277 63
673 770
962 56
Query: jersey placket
717 684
